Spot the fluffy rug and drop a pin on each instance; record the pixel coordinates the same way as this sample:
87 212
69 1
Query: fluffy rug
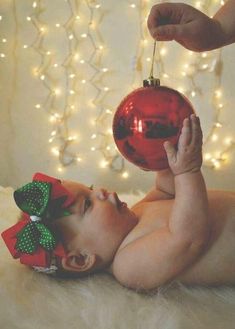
31 300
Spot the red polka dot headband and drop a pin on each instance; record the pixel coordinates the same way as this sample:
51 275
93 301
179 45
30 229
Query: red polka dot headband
31 240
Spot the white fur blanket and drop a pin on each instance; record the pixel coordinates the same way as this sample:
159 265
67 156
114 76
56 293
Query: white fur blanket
32 300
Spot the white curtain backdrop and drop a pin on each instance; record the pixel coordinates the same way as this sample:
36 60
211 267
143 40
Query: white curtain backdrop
26 113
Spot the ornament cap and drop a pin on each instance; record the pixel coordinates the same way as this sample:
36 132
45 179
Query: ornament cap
151 82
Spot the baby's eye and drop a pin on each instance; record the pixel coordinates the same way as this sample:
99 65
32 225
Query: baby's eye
87 204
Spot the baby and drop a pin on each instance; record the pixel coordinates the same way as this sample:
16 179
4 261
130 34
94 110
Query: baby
178 231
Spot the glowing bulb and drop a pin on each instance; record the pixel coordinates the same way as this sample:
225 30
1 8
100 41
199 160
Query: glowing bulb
207 156
205 66
72 92
214 138
48 53
93 136
25 46
228 141
28 18
148 59
55 151
101 47
56 65
42 29
4 40
34 4
163 51
105 69
180 89
97 6
38 106
71 37
83 81
57 91
72 138
104 164
57 25
106 88
78 159
82 61
125 174
133 5
204 55
218 125
218 93
193 93
2 55
60 169
72 75
93 148
42 77
217 164
84 35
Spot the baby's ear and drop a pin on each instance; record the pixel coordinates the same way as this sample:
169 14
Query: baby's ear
76 261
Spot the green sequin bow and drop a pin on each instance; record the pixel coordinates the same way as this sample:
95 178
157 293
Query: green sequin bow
34 199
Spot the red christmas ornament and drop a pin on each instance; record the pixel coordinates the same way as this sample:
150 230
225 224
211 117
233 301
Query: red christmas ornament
145 119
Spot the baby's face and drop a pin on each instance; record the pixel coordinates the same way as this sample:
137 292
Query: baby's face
98 223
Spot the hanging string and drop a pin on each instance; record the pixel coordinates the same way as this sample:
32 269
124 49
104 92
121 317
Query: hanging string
154 50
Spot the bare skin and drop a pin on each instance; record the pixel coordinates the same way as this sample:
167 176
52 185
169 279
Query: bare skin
179 231
190 27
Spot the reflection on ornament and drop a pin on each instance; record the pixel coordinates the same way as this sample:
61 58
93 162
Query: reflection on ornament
145 119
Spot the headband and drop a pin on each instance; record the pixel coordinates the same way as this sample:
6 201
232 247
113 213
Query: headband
42 201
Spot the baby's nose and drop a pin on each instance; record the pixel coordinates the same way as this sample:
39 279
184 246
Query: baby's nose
101 193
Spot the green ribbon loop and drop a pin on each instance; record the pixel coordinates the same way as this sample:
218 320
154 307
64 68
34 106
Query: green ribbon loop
33 198
33 235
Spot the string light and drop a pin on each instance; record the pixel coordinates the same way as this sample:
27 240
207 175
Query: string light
81 32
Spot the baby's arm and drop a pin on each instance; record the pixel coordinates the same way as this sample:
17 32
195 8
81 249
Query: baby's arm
163 254
165 181
190 211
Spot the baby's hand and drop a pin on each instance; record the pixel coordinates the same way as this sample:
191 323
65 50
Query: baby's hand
188 155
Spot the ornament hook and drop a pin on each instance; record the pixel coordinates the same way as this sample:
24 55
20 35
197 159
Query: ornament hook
151 81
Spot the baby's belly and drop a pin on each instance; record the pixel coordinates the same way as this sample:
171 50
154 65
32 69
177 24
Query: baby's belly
217 264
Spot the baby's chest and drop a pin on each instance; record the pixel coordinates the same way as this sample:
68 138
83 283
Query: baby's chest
152 216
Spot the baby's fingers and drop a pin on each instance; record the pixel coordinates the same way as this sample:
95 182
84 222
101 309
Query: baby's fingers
196 131
170 151
185 136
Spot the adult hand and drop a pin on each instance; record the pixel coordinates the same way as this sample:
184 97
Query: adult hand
186 25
